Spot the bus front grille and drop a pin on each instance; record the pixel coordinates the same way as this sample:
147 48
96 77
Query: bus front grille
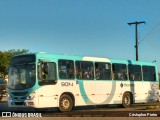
19 103
18 98
19 93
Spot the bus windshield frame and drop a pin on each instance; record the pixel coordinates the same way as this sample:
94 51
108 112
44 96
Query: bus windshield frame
22 72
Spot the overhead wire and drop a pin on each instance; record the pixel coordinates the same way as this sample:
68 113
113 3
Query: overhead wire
150 32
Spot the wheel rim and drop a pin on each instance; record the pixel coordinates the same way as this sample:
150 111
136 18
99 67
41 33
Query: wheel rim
127 100
65 104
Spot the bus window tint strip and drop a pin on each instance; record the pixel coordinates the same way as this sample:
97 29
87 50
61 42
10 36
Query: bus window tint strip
23 59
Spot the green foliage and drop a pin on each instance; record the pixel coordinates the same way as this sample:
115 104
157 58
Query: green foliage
159 79
5 57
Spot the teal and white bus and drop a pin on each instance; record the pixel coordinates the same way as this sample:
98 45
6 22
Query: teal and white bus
42 80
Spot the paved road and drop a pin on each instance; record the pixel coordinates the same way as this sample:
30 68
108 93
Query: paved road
92 111
81 112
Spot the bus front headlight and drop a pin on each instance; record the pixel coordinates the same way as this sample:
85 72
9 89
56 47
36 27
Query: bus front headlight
31 96
9 97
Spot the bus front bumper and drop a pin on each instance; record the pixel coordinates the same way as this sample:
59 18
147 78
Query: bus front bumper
25 103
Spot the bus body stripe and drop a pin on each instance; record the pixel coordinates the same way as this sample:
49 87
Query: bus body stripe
88 101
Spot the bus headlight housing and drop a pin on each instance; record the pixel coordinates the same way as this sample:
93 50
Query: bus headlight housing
31 96
9 97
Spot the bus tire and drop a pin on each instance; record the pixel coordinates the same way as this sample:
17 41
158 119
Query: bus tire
65 103
127 100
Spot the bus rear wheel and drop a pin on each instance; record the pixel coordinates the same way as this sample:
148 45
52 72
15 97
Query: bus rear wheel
65 103
127 100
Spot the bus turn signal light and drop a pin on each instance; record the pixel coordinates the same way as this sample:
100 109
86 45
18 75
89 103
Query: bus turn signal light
30 103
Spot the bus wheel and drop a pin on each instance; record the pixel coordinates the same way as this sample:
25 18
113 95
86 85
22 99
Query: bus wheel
127 100
65 103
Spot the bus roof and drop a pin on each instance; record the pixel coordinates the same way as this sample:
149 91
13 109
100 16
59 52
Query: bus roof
86 58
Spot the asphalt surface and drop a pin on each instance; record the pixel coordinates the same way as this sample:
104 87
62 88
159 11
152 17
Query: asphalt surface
136 111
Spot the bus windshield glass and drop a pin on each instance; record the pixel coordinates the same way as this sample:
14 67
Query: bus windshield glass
21 76
22 72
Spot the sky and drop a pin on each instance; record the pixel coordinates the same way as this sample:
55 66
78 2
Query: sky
82 27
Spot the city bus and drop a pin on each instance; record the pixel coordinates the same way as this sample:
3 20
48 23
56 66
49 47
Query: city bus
42 80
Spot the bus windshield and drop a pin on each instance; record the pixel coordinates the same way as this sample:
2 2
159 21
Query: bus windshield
21 76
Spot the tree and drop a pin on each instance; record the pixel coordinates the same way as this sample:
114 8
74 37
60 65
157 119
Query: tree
159 78
5 57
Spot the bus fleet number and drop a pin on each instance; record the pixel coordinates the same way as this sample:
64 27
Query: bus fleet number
66 84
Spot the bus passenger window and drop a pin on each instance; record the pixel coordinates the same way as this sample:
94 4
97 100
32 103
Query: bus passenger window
84 70
134 72
66 69
119 71
47 73
149 73
103 71
43 73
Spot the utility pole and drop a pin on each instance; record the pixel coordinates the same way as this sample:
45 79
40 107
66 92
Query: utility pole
136 33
